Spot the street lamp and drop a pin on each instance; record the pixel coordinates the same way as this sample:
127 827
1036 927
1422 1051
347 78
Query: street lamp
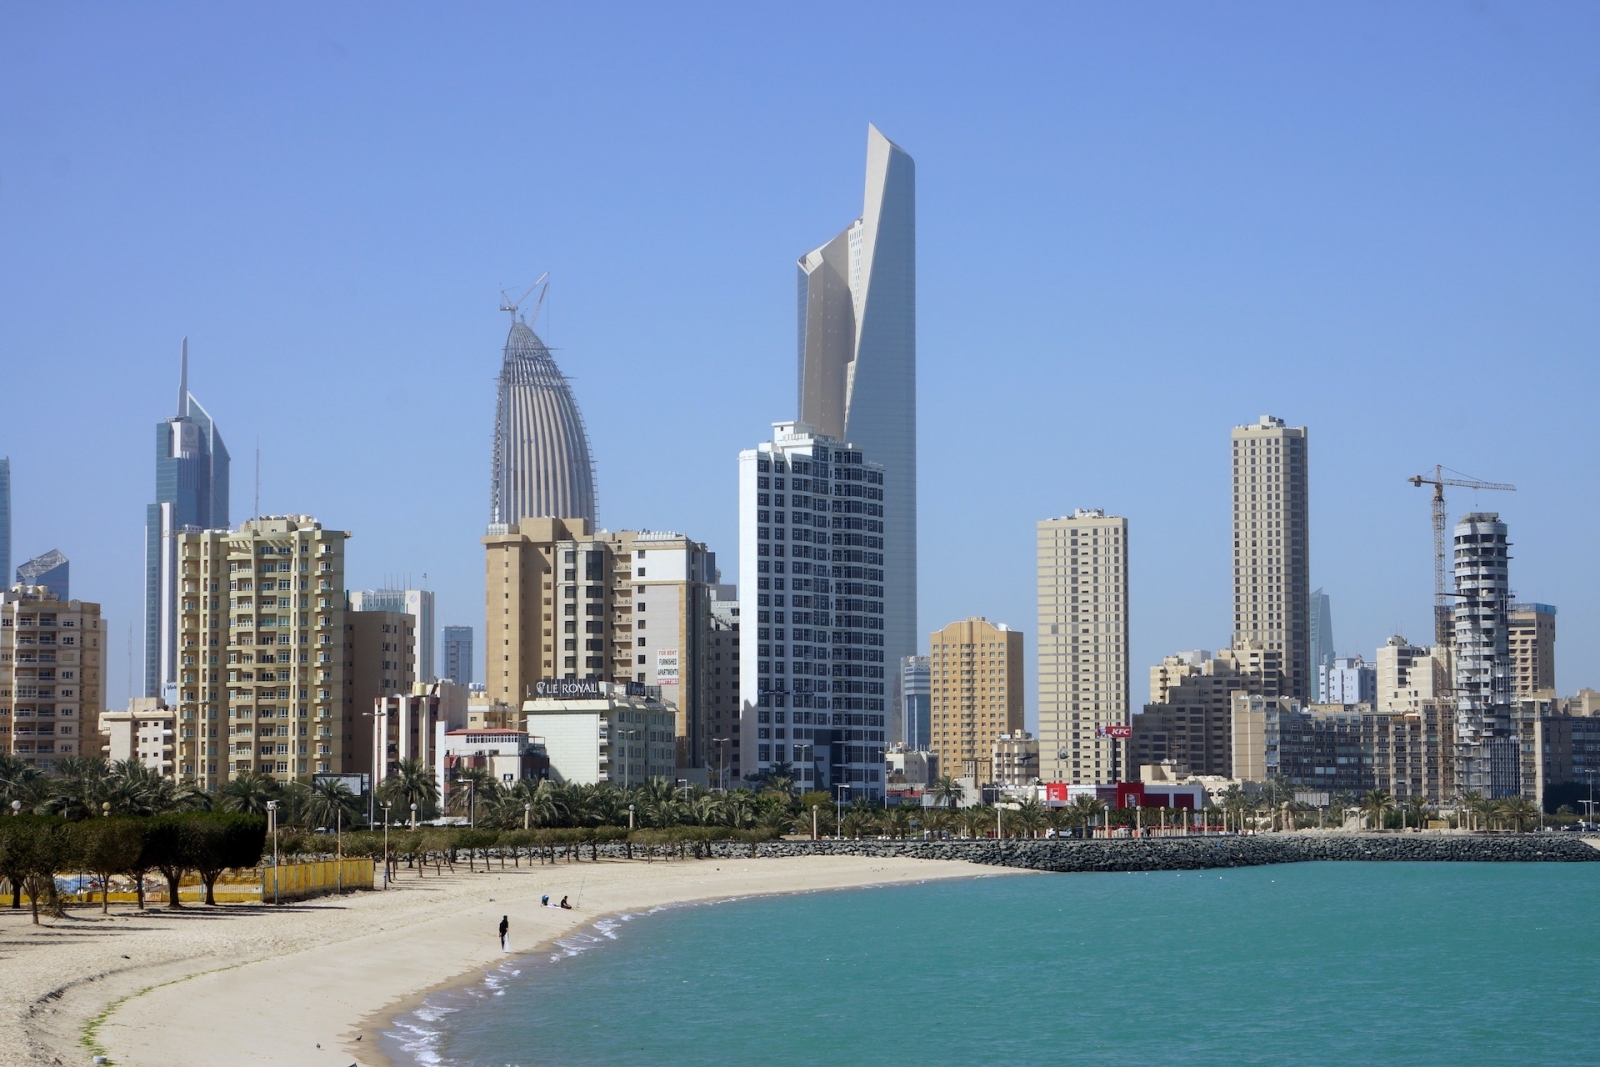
413 815
16 807
386 805
722 761
630 818
527 814
838 826
272 822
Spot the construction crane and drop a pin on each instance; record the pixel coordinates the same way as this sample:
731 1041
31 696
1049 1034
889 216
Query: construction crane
1443 625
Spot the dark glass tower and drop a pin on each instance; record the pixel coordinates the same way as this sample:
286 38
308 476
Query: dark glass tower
191 493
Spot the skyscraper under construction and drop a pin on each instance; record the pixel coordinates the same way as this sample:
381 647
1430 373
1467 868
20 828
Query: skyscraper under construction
542 467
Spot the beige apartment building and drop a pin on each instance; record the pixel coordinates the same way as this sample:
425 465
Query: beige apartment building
143 733
262 647
52 656
1189 720
1272 548
567 601
975 672
1532 630
380 662
1083 645
1014 760
1410 676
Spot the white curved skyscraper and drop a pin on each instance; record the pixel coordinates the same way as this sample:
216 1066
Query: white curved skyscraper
857 379
542 467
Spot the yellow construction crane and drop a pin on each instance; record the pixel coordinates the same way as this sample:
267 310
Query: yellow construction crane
1443 613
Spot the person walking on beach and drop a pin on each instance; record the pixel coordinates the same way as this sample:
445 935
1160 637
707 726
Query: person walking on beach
505 929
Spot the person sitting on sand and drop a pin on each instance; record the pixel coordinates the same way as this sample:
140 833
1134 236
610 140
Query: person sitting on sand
505 928
564 904
544 901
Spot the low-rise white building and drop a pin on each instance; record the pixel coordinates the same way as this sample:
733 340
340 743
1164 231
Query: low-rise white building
511 756
142 733
594 731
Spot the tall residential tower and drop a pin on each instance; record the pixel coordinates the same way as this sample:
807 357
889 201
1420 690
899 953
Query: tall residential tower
814 677
857 374
1083 646
1487 753
191 494
1272 548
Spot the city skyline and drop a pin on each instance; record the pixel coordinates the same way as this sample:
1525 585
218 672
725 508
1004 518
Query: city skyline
1076 257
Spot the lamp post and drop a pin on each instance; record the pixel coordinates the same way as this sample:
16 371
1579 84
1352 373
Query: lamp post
472 803
16 808
527 814
413 815
722 761
386 806
813 822
272 822
338 847
838 826
630 818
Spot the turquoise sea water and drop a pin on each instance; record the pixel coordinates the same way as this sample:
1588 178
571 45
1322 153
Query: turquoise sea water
1326 963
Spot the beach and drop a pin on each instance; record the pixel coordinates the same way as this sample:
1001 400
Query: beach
309 984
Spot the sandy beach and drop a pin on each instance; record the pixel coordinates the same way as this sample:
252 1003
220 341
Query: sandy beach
250 985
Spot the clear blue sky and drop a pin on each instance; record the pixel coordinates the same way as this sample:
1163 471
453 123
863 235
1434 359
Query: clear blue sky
1138 224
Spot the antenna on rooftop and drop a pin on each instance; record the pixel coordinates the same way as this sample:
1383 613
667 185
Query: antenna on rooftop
513 304
258 478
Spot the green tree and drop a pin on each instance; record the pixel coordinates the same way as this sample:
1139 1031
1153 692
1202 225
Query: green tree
1417 808
897 821
1375 804
35 850
224 841
108 846
411 783
172 846
1030 818
1083 811
473 788
947 792
1519 812
248 793
332 804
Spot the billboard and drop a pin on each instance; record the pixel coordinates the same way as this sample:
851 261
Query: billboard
666 666
567 688
359 784
1056 791
1121 733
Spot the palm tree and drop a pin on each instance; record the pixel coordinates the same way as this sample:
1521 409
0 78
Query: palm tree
411 783
473 785
859 821
897 821
20 781
1518 811
1375 804
935 820
1475 804
331 798
947 791
248 793
1417 808
1084 810
1030 817
975 820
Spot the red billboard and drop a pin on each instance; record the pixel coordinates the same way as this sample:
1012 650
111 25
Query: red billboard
1121 733
1056 791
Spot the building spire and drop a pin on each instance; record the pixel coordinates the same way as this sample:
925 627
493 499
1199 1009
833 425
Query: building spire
183 381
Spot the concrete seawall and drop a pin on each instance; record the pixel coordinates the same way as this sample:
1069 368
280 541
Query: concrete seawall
1198 853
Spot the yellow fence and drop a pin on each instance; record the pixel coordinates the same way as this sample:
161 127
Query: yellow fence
296 880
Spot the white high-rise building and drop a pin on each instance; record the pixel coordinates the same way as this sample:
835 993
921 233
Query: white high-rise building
418 603
1083 646
858 359
1272 548
814 579
1487 753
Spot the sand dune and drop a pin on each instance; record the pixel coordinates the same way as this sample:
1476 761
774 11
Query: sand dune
250 985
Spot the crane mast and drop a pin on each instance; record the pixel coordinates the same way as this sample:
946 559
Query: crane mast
1443 611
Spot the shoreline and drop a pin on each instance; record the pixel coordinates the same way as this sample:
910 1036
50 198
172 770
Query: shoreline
380 1024
314 984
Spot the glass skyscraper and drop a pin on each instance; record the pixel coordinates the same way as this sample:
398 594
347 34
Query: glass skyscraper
857 375
50 570
191 494
456 663
5 515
